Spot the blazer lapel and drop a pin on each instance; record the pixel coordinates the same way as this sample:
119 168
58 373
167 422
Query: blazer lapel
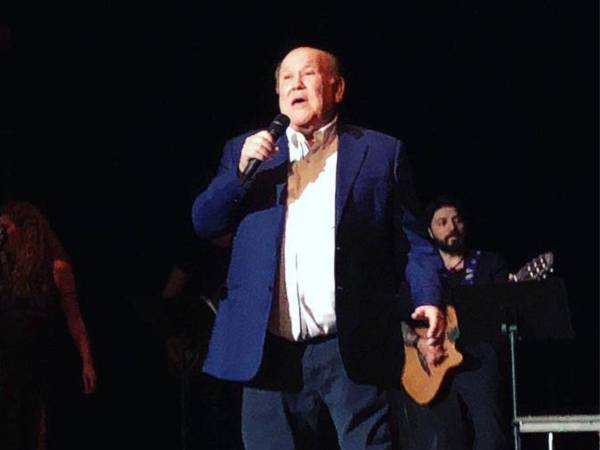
351 154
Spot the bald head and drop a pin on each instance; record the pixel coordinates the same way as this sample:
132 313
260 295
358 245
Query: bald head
310 87
329 59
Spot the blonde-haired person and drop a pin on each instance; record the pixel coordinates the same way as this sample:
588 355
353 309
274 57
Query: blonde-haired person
36 285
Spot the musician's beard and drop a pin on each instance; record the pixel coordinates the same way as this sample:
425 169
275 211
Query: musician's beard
456 247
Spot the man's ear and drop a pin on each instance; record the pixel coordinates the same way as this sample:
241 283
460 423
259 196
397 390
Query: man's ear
429 232
340 88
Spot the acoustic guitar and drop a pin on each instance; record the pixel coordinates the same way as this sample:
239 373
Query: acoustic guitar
422 381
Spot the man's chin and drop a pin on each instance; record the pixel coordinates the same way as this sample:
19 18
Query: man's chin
453 247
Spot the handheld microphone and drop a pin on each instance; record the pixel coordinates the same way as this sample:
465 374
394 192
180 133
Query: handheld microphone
276 128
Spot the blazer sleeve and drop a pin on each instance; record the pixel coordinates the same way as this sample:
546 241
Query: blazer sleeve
423 263
216 211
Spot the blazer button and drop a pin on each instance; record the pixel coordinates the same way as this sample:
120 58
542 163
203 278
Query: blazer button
338 248
339 288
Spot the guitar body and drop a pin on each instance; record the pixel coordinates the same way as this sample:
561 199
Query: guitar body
421 380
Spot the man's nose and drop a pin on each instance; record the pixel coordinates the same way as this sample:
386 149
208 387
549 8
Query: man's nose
297 82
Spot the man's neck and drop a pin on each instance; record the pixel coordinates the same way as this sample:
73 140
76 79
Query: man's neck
453 261
318 139
310 131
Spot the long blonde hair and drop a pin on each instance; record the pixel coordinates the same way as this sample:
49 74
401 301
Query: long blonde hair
28 268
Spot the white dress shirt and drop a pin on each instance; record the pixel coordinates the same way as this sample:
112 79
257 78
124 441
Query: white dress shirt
309 244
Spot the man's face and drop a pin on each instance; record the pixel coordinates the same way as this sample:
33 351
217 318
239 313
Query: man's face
447 229
308 88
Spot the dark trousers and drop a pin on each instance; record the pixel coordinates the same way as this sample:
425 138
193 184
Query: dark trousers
478 387
213 414
282 411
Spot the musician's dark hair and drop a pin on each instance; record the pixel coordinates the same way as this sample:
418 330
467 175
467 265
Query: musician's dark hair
441 201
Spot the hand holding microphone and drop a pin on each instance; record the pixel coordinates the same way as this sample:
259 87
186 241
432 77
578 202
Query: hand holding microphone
261 146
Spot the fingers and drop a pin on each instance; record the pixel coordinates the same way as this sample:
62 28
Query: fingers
436 325
438 358
434 354
434 348
89 382
418 314
86 384
436 320
435 341
260 146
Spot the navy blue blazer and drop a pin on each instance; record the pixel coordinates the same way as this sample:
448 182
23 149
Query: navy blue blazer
378 243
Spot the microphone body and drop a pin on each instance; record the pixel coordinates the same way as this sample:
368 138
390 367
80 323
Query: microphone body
276 129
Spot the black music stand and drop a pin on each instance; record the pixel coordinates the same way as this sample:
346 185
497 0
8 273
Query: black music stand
525 311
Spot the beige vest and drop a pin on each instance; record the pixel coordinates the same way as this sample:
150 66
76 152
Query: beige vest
300 174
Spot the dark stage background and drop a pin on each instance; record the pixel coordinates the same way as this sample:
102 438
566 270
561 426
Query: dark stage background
114 116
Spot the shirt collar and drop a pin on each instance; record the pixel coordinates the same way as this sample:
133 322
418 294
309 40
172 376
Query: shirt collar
298 144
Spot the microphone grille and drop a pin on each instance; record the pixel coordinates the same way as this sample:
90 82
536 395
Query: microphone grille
278 125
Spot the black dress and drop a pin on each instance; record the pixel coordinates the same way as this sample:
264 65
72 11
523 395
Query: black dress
27 345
